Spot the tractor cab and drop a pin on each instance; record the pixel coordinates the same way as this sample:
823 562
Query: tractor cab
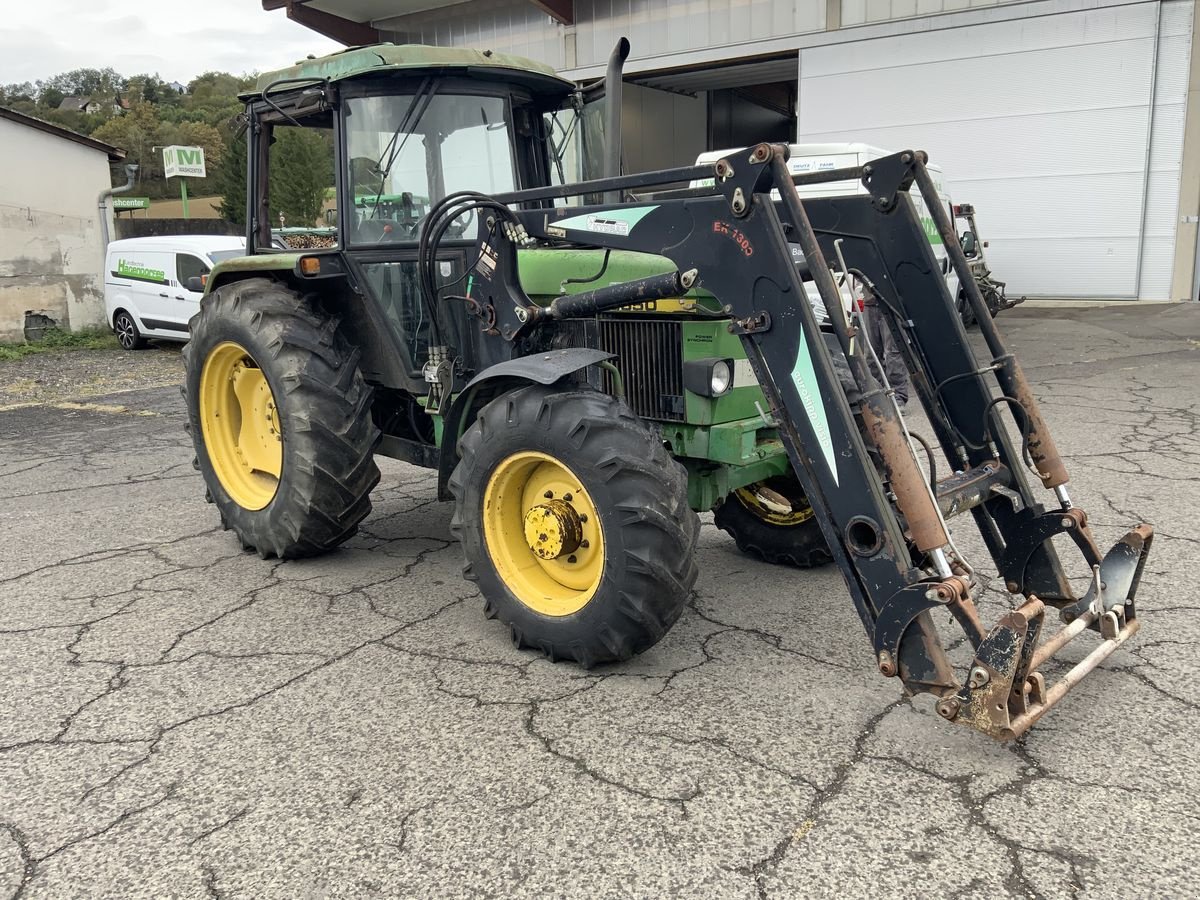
395 129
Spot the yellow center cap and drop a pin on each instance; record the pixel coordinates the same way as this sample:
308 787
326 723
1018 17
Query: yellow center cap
553 529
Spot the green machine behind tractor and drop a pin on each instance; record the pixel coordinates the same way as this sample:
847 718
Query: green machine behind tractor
588 359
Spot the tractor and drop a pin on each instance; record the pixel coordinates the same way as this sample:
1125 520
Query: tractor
588 359
993 291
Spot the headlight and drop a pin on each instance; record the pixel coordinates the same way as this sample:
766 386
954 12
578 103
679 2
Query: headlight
720 378
708 377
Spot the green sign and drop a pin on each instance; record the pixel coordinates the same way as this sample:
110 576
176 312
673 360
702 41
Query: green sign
186 161
126 269
120 203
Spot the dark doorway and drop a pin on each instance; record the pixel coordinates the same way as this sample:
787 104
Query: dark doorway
741 116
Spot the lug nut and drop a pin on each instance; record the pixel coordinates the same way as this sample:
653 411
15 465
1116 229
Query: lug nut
584 545
549 495
571 558
568 497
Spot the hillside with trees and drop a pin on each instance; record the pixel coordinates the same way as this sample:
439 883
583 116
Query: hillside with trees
139 113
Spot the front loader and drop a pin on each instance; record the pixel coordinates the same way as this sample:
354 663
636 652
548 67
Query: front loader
587 364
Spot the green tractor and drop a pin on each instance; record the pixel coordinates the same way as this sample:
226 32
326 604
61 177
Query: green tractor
588 363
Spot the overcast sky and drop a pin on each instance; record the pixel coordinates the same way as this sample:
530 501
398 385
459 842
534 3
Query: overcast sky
175 38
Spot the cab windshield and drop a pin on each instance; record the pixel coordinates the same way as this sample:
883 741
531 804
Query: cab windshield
407 151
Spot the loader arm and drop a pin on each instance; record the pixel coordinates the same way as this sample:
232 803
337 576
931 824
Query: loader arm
885 524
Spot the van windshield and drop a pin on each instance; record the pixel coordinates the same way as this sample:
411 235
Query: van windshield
221 255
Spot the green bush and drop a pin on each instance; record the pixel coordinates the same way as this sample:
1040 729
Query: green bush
57 339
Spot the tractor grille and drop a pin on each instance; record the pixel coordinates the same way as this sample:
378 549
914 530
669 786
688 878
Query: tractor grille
650 360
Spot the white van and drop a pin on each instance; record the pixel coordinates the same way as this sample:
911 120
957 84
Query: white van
150 284
805 158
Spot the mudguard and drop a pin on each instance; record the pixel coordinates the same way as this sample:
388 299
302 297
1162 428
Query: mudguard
540 368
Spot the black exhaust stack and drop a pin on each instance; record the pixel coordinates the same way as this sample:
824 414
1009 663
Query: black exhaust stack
612 126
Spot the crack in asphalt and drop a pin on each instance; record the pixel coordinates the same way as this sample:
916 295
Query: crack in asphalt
765 867
209 832
1160 435
28 863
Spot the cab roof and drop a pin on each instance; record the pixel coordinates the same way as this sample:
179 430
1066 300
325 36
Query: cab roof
379 59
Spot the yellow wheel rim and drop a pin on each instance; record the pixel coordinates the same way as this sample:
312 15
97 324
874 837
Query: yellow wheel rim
543 533
241 426
776 501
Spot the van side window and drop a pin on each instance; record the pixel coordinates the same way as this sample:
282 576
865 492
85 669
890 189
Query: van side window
188 266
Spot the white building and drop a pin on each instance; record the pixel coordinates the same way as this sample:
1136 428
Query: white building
51 253
1065 122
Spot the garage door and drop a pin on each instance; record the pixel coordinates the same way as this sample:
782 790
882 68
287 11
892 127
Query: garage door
1065 132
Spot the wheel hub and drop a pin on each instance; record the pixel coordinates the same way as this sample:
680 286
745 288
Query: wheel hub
543 533
241 426
553 529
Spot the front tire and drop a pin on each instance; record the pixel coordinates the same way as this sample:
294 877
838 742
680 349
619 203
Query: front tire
126 330
574 521
773 521
280 417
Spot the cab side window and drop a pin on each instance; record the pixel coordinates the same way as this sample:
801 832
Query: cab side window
188 266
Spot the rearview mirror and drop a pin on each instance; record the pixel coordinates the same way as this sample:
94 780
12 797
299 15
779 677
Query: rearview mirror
196 284
968 243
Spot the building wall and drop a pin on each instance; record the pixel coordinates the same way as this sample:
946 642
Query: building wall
654 27
51 259
661 130
1077 186
863 12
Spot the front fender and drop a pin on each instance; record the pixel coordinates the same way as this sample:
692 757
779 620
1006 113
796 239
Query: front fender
539 368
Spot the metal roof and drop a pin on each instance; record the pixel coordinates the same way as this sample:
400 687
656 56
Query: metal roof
115 154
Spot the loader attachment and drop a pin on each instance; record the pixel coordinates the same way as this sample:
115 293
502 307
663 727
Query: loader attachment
883 517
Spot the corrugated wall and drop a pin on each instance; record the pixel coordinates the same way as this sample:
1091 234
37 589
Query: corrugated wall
505 27
654 27
864 12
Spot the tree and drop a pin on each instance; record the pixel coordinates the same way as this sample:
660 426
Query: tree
301 170
103 84
50 98
230 182
137 133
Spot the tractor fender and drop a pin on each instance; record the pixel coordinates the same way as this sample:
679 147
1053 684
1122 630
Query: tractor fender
538 368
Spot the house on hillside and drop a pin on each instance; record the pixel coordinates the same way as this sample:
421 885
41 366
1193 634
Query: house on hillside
92 105
177 87
51 249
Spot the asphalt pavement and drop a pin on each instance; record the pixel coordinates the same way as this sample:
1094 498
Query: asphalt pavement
182 719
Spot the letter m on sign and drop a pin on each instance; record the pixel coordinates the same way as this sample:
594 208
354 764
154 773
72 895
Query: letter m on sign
188 157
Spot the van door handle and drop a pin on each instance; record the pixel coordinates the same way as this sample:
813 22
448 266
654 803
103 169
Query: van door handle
162 295
180 297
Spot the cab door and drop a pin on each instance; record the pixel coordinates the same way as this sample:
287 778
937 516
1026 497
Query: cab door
186 302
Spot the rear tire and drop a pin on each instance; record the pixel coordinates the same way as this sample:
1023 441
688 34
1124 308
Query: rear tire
787 538
308 491
581 461
965 311
126 330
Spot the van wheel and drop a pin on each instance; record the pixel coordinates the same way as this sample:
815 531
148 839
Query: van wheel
127 332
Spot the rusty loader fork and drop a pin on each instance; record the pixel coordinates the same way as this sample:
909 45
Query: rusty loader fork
884 520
